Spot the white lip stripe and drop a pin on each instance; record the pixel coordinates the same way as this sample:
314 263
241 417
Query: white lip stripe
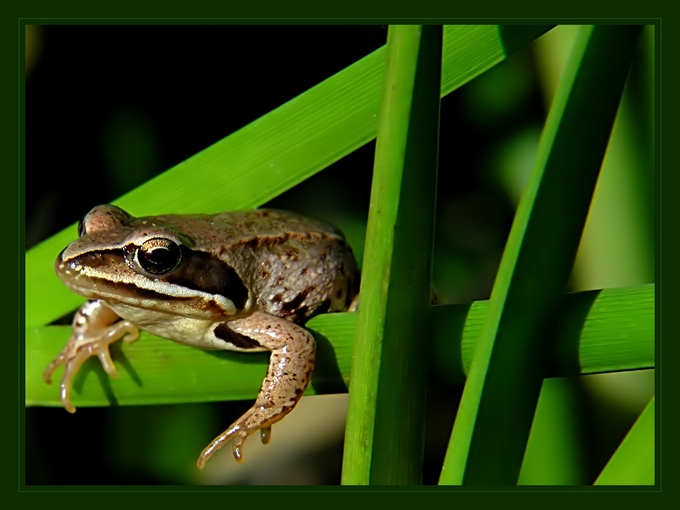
167 289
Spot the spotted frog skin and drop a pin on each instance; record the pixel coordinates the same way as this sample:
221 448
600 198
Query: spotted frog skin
240 281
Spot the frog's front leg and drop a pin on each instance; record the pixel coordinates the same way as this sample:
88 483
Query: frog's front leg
289 372
95 327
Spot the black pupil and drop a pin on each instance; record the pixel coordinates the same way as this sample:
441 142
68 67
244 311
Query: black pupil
159 256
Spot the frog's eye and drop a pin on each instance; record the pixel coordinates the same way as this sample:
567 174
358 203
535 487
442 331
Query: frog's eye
158 256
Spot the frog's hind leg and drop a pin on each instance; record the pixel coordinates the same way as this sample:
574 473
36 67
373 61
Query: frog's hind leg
290 370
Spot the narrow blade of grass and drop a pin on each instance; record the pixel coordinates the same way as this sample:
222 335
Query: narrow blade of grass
508 365
555 453
385 420
596 331
633 461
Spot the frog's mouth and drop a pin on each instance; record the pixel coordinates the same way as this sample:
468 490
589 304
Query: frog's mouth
127 287
199 305
201 281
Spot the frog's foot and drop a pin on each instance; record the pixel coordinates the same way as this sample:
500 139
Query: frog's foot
239 431
93 332
290 369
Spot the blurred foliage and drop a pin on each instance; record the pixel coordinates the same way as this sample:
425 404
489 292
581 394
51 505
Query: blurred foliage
107 107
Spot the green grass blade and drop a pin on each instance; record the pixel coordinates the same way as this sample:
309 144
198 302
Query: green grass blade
277 151
555 454
508 367
633 461
385 420
618 310
598 331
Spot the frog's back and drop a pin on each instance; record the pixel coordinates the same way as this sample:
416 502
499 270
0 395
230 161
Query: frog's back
295 265
274 223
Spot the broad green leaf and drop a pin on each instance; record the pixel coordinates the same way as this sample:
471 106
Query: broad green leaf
598 331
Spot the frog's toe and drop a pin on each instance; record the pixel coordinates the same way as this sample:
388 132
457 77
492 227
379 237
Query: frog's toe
220 441
104 356
56 363
265 434
71 368
65 397
238 453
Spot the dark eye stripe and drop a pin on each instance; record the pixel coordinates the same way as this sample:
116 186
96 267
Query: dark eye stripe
98 258
201 271
198 271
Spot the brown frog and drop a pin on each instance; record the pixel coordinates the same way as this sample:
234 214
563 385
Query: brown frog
241 281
